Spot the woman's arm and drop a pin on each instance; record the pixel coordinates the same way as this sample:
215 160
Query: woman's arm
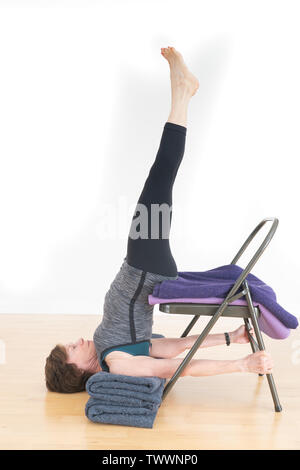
166 348
145 366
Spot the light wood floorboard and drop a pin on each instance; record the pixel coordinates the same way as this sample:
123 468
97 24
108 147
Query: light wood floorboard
222 412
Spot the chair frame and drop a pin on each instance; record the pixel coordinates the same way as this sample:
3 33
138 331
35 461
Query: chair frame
247 312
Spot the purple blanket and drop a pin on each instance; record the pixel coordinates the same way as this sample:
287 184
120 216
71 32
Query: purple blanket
212 287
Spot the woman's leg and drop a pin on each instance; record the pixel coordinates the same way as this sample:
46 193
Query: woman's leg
148 242
144 251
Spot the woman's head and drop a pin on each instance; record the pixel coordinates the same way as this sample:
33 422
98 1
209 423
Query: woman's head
69 366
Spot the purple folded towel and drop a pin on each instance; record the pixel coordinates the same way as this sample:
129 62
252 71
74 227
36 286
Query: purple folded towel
216 283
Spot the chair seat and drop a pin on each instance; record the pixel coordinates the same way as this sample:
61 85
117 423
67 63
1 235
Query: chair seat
240 311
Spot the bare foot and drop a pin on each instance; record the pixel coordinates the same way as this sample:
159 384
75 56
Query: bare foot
180 74
259 362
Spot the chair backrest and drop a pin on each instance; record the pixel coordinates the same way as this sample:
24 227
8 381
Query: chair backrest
257 254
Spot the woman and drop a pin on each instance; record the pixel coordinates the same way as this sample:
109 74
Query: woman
122 343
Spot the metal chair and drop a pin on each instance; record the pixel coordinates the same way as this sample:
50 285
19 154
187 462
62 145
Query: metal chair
247 312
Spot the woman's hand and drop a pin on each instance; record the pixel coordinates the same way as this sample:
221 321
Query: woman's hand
240 335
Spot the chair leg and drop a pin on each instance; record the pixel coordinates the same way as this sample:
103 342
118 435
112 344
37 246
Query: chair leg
253 343
261 346
190 326
194 348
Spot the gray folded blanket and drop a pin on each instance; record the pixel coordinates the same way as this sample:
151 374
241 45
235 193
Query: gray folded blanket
124 400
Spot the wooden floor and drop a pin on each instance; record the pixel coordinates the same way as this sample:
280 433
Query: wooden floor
222 412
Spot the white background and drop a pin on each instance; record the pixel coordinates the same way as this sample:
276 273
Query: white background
84 95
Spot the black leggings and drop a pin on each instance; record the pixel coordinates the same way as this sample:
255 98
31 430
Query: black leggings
154 254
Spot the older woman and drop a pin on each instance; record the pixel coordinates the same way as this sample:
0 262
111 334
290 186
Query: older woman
122 343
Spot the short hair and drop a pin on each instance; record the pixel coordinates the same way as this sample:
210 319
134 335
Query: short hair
61 376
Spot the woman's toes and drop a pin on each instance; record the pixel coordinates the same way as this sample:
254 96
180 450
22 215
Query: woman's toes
175 52
166 52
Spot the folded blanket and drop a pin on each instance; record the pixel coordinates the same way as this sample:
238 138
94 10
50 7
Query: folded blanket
124 400
268 323
125 387
135 416
216 283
